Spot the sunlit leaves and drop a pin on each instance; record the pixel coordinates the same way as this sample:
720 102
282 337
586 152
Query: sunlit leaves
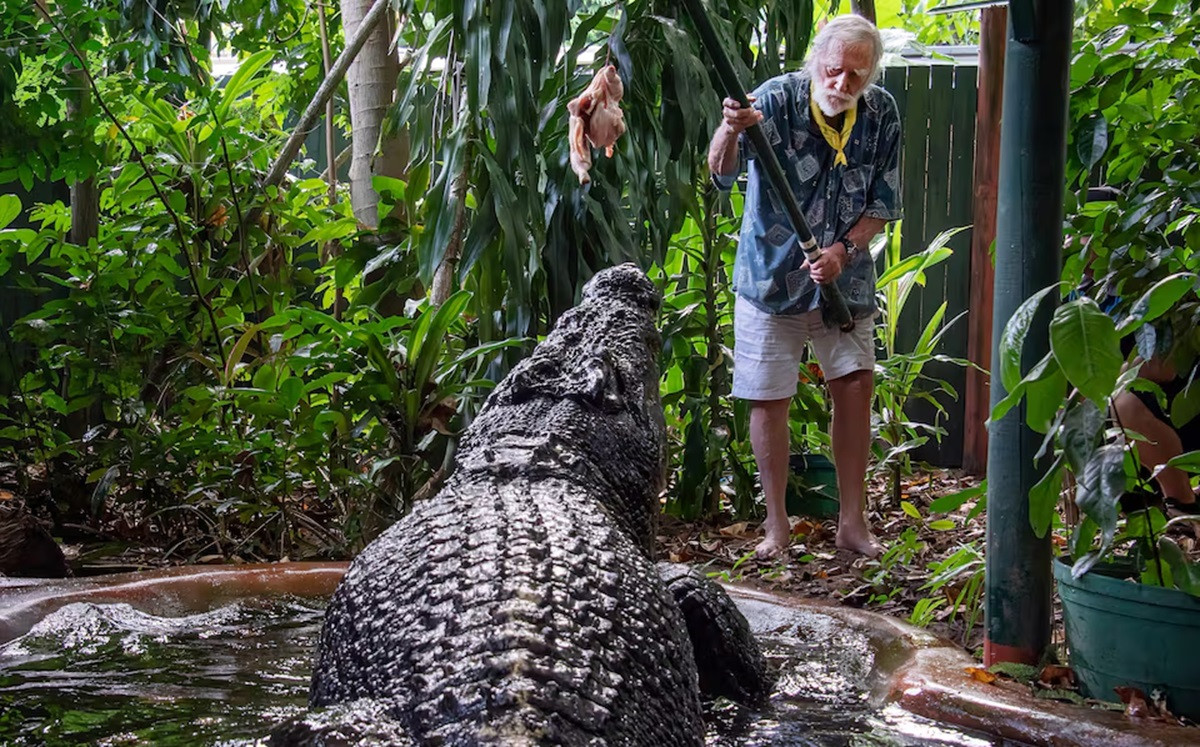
10 208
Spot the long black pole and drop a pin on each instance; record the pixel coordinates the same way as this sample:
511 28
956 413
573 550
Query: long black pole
831 295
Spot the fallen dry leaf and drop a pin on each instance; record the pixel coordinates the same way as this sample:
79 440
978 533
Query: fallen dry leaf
735 530
682 556
1055 676
805 527
1136 703
982 675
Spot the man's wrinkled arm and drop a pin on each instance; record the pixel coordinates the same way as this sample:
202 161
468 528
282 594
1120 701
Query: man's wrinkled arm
723 158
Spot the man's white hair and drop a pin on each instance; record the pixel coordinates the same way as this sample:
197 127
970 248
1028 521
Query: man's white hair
847 31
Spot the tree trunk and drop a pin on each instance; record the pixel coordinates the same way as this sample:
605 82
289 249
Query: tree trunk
372 81
864 8
443 278
443 285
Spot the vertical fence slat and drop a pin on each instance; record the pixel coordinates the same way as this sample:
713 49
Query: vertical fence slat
958 267
931 297
914 122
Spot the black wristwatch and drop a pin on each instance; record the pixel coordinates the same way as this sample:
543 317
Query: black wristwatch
851 249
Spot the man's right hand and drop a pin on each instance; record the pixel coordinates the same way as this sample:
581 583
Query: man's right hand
738 119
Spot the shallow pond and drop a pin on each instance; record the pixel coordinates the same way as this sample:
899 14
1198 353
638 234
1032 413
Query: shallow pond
108 674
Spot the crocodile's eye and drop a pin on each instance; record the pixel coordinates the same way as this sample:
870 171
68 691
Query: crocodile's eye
532 377
600 384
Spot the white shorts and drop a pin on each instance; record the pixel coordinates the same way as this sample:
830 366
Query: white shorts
768 350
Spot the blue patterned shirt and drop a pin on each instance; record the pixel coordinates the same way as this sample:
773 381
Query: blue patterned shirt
833 198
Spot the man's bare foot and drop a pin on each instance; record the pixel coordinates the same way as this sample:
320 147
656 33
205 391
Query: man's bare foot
779 536
858 538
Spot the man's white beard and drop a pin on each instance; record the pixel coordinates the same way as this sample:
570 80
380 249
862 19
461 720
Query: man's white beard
832 103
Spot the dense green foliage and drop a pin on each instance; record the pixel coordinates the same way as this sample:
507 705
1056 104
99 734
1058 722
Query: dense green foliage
1135 87
243 372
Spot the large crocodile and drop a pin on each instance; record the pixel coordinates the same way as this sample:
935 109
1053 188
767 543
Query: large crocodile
520 605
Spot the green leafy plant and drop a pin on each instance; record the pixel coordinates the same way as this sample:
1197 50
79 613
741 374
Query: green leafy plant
706 424
899 554
900 377
1083 438
958 580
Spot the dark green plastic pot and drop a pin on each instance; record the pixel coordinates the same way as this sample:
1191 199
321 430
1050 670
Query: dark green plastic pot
815 492
1124 633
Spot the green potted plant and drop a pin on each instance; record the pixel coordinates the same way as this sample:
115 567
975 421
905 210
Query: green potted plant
1130 595
812 480
1128 590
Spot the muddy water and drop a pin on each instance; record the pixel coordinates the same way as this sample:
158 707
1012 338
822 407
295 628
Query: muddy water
108 674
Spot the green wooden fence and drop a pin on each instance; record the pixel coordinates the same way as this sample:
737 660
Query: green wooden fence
937 100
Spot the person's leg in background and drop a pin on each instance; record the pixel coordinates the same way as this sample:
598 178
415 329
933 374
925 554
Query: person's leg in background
1162 444
848 360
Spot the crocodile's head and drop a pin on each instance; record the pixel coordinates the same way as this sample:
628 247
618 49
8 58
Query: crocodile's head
586 403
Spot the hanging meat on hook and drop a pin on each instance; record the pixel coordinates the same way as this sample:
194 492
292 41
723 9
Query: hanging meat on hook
596 118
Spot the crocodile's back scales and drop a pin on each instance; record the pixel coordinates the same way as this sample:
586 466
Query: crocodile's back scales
500 613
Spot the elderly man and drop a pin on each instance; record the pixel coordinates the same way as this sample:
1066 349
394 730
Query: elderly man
838 138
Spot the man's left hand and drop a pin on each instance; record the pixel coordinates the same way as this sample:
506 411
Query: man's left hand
828 266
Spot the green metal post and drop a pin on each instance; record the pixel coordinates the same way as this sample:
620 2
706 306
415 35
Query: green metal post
1029 216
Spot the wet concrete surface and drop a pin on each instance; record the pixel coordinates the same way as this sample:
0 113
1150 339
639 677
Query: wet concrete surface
902 666
927 675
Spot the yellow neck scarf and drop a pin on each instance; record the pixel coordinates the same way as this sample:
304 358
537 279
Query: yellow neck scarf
837 140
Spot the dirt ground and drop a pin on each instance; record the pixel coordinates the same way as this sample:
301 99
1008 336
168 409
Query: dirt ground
815 568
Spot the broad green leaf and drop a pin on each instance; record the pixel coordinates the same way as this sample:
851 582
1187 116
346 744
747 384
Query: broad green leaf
1080 433
1186 405
947 503
102 488
481 350
235 355
330 231
427 348
1046 367
1012 342
910 509
1184 573
1188 462
1085 343
1043 499
10 208
1043 398
392 188
243 80
1083 537
1100 487
290 391
264 377
1157 300
1092 139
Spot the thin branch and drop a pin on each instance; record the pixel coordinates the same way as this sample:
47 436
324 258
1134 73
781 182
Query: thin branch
136 154
206 92
331 171
324 92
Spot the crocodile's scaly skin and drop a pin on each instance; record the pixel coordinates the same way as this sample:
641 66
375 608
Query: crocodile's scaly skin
728 658
519 605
